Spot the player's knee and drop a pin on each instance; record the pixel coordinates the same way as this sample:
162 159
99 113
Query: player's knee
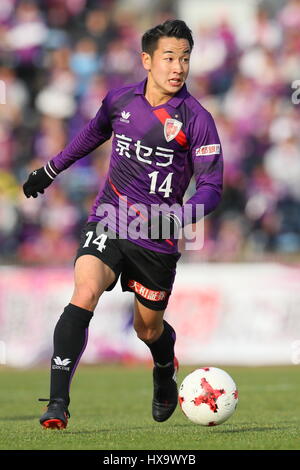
147 334
86 296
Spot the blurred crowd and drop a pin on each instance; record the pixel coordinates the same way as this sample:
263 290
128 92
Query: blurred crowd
57 61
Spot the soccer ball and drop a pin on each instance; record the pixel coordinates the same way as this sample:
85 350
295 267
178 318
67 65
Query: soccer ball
208 396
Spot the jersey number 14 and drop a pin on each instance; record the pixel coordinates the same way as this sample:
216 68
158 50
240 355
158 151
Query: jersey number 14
165 186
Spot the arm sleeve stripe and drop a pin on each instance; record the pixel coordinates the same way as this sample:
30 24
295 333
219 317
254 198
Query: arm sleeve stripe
51 168
45 168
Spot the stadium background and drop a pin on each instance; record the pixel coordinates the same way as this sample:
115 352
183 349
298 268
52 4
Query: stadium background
236 300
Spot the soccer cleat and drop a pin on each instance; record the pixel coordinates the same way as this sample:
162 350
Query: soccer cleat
165 394
56 416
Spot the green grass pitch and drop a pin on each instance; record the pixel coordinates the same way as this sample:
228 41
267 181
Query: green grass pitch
111 410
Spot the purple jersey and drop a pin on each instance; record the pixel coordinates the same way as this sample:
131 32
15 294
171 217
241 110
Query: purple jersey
155 153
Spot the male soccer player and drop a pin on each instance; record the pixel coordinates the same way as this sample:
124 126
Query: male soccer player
162 136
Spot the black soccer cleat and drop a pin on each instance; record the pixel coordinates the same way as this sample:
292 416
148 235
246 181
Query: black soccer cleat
56 416
165 394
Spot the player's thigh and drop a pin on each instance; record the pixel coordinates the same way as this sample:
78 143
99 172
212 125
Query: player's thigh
91 278
148 323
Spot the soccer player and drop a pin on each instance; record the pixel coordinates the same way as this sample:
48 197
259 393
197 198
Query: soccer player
162 136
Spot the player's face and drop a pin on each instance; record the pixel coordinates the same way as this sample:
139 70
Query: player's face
168 67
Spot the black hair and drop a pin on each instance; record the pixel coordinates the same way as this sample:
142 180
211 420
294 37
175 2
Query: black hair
170 28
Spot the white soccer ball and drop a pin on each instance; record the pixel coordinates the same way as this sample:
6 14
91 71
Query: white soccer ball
208 396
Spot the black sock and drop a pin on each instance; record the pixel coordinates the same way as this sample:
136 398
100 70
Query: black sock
162 349
69 341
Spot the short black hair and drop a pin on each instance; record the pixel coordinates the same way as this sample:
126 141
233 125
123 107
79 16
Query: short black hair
170 28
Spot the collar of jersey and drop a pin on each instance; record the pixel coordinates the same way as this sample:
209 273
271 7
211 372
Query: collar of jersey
175 101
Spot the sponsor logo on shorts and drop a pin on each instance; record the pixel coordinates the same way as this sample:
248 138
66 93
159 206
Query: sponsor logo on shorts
154 295
213 149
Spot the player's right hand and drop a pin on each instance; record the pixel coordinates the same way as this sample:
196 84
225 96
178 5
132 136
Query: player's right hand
37 181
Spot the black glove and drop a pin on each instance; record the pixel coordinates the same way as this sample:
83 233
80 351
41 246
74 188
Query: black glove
164 226
39 180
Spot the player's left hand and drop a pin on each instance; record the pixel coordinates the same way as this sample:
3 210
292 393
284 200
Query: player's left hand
163 227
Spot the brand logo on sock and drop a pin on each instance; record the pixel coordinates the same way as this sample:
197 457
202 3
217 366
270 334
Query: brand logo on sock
61 363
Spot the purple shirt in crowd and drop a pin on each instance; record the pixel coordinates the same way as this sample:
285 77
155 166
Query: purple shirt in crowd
155 153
